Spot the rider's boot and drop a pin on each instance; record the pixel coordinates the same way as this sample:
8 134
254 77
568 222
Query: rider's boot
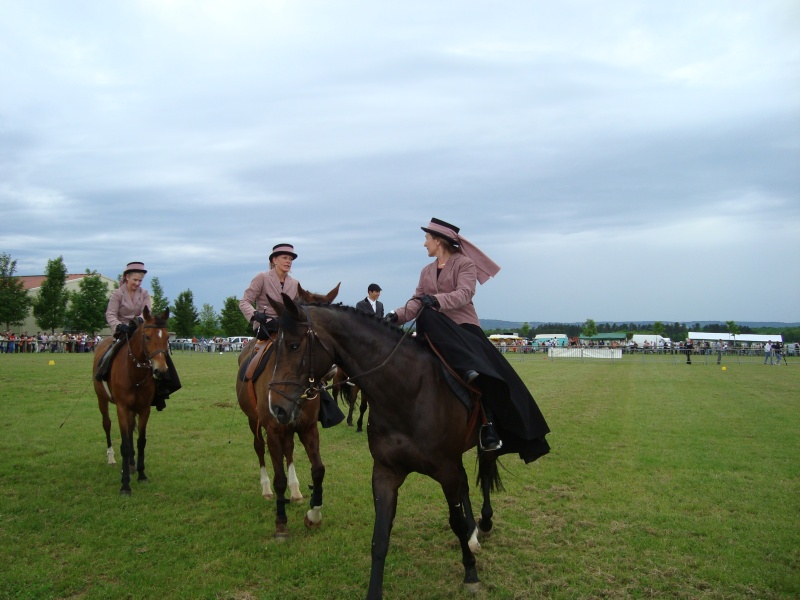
489 440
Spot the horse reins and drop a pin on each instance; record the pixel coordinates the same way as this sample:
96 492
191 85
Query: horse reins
149 357
312 335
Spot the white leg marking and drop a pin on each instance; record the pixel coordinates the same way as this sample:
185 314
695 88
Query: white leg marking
474 544
294 484
315 515
266 490
110 456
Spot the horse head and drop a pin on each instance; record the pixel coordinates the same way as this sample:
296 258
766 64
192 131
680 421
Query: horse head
301 361
309 297
153 342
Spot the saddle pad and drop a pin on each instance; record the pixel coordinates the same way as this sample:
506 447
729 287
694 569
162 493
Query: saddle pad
458 388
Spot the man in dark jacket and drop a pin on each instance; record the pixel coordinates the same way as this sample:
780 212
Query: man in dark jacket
370 304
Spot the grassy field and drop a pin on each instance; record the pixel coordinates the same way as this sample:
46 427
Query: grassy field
665 480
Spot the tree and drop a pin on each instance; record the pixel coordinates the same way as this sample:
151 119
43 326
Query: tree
525 330
158 300
50 304
589 328
15 303
87 309
184 317
658 328
231 319
208 324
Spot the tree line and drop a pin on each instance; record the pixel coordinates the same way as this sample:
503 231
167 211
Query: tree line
84 310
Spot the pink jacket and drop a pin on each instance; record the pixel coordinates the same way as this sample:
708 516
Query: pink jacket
454 289
266 285
122 308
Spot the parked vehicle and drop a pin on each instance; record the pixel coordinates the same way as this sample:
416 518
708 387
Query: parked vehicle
180 344
238 342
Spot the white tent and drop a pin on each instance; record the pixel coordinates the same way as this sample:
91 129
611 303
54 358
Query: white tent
741 338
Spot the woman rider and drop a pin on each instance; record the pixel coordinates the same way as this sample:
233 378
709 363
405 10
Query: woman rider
270 284
443 307
124 313
257 310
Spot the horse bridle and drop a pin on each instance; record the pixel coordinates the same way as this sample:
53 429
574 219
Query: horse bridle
149 357
312 390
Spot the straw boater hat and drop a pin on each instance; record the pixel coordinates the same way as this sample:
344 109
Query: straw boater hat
485 266
279 249
134 267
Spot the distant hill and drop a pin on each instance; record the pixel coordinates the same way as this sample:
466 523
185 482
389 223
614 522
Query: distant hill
512 325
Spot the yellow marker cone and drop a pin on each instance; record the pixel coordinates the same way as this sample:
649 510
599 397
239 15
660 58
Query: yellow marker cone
51 363
724 368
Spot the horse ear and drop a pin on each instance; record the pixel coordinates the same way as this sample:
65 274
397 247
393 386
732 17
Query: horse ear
165 314
331 296
291 307
146 313
276 305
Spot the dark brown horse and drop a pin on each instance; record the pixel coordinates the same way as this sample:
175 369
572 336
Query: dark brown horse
131 387
280 437
416 423
348 390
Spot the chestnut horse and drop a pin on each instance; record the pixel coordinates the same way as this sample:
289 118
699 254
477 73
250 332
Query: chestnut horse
348 390
280 437
131 387
416 423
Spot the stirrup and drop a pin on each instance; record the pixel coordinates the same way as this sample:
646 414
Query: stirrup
492 446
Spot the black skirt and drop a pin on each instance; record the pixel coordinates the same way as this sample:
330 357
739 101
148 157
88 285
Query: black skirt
517 418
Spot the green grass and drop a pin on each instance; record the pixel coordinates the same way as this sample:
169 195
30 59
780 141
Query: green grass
664 481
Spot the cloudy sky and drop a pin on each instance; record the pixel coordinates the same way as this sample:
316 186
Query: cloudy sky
620 160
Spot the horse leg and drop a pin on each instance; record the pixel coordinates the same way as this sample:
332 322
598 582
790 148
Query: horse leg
141 442
351 405
103 404
292 481
125 418
487 470
361 410
275 447
385 483
451 486
258 446
310 440
472 528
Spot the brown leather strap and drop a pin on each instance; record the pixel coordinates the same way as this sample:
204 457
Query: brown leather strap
257 356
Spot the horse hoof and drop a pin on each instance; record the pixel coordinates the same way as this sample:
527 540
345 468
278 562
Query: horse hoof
310 524
125 492
296 500
473 588
281 533
268 496
484 532
143 480
359 430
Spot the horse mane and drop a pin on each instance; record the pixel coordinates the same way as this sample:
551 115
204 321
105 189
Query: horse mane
374 319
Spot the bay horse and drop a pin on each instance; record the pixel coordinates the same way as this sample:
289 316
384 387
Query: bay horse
280 437
131 386
348 390
416 423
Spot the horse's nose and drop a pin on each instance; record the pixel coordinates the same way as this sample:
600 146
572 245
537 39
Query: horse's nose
281 415
160 373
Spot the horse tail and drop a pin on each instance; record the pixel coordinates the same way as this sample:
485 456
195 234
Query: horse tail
488 473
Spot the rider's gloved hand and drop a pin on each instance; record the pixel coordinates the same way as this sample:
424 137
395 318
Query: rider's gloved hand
122 329
260 317
391 318
430 301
